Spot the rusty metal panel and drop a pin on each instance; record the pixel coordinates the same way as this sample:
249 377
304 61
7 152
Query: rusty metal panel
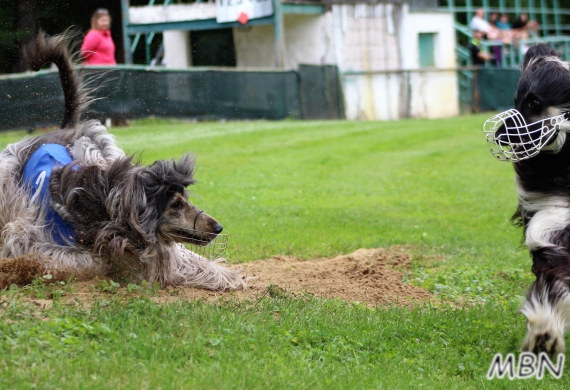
321 92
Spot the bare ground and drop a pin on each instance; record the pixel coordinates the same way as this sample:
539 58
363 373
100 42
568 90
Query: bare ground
370 276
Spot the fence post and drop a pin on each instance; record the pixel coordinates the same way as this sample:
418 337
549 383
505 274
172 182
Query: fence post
126 39
279 38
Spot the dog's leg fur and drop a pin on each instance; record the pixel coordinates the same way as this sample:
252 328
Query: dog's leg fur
547 306
174 264
182 267
12 198
548 316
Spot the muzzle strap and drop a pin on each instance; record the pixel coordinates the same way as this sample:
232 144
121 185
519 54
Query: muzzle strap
196 218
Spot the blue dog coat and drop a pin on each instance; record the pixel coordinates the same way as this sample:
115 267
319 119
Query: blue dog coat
37 173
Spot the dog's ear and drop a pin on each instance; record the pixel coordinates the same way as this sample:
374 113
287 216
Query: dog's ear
534 53
172 173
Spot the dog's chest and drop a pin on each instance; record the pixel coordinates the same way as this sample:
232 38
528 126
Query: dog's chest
36 177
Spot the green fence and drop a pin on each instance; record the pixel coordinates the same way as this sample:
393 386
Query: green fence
36 100
321 92
497 88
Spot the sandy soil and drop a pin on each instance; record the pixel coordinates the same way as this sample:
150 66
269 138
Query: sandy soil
370 276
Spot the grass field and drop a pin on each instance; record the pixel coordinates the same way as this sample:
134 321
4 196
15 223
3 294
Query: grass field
308 189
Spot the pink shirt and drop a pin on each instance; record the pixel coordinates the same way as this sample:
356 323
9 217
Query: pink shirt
98 48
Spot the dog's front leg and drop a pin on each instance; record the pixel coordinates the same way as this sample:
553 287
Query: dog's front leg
547 306
186 268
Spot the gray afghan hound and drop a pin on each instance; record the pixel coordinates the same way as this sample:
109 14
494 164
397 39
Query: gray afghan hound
75 202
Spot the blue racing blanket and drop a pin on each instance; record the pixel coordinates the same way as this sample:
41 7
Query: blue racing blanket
37 173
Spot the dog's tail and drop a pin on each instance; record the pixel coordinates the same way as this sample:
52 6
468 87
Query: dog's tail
55 49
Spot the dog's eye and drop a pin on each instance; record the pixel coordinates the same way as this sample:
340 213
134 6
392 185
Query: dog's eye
533 103
177 205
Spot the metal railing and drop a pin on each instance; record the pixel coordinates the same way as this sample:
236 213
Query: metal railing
551 16
548 13
510 56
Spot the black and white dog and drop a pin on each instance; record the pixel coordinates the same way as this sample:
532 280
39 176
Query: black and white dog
534 136
78 204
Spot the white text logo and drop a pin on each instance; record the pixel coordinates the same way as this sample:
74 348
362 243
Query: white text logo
529 366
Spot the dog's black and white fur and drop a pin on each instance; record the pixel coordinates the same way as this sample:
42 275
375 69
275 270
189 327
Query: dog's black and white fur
128 218
543 184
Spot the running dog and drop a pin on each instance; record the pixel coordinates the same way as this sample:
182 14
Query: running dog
75 202
534 136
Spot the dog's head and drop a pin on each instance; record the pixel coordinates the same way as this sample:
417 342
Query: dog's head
543 90
540 118
130 208
168 210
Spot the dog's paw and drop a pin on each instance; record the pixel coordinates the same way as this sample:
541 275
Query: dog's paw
545 325
550 342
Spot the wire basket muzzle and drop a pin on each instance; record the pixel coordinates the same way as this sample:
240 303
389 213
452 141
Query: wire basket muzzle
214 247
510 138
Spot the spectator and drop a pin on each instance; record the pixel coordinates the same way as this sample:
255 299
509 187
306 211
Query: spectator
520 22
503 23
494 18
478 56
478 23
98 47
524 29
532 28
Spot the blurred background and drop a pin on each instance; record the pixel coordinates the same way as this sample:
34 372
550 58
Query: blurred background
271 59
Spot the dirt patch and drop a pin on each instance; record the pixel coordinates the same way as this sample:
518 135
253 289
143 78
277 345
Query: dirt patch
23 270
19 271
369 276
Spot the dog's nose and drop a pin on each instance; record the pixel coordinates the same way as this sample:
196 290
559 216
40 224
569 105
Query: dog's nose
217 228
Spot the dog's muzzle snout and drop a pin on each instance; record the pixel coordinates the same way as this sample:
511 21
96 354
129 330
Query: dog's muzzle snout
217 228
510 138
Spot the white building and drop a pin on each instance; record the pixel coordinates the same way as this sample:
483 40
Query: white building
394 62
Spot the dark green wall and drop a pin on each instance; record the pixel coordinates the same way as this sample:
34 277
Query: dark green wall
36 100
497 88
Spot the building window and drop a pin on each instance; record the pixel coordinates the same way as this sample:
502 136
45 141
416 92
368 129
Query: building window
426 44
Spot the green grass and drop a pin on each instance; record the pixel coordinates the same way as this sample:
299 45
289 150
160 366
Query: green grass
309 189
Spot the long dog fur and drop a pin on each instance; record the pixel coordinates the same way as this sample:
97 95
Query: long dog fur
543 184
130 220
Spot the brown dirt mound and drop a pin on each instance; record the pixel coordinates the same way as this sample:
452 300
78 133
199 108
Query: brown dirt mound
18 271
369 276
23 270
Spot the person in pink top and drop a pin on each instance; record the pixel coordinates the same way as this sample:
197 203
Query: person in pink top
98 47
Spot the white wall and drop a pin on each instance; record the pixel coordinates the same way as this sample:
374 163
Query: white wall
255 46
177 53
401 94
440 23
371 97
366 36
434 94
392 85
308 40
